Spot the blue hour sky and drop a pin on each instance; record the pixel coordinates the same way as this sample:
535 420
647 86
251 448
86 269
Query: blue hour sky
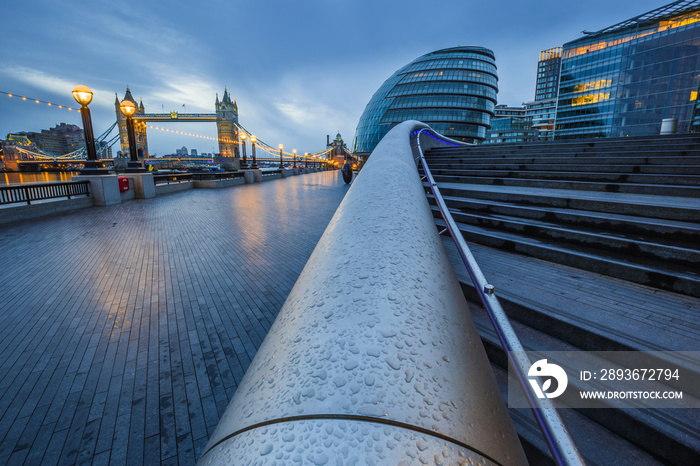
298 70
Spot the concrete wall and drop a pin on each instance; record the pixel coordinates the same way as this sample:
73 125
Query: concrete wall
173 187
16 213
271 176
214 184
128 195
374 358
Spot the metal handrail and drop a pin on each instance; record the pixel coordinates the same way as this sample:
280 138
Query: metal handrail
560 443
26 193
380 359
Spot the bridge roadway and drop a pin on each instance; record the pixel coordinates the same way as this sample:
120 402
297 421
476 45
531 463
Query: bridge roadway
125 330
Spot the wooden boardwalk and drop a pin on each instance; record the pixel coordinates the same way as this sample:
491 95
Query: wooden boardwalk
125 330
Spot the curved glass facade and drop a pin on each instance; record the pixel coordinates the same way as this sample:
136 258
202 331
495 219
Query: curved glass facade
452 90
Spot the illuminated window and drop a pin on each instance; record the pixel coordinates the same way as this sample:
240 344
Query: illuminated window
589 99
599 84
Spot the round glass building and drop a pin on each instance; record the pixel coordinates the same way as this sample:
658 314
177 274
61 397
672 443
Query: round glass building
452 90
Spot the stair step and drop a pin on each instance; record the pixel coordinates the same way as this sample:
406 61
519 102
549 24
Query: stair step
603 159
634 246
659 275
613 187
660 207
686 179
565 166
627 224
609 314
674 143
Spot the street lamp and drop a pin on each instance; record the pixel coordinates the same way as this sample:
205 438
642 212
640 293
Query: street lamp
253 140
295 158
244 163
306 159
281 162
83 95
128 109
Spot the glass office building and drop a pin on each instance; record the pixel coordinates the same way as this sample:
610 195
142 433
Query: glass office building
548 74
452 90
625 79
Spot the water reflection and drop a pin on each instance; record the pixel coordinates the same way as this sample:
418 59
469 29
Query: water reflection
276 205
8 178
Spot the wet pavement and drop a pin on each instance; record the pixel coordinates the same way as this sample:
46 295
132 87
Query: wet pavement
125 330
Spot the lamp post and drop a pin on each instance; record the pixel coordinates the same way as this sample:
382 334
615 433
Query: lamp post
244 163
253 140
128 109
294 152
306 159
281 161
83 95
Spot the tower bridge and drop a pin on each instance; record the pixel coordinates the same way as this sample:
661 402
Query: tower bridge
24 156
225 115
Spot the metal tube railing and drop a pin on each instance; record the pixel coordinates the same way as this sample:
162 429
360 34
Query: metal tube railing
374 357
560 443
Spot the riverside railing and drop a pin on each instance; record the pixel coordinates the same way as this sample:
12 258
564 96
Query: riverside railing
560 443
203 176
374 357
172 178
26 193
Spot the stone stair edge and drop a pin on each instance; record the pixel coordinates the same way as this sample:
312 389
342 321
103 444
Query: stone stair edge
654 179
648 225
652 273
593 186
684 252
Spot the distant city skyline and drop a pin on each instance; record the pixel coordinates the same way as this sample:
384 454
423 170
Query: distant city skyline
298 71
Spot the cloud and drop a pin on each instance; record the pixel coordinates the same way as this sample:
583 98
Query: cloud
305 113
56 84
173 88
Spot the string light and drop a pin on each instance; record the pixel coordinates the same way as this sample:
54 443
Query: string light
38 101
260 144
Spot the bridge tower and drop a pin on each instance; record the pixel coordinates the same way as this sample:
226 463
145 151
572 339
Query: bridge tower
339 149
226 116
139 127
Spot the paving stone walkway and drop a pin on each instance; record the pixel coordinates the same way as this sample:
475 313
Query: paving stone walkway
125 330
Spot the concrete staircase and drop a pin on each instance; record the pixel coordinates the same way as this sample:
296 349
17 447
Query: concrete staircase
626 208
592 246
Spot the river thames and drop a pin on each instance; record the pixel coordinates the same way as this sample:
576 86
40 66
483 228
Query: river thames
7 178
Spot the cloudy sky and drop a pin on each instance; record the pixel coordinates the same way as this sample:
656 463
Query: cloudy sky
298 70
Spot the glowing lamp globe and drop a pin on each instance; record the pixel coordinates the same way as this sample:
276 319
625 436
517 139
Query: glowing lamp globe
82 95
128 108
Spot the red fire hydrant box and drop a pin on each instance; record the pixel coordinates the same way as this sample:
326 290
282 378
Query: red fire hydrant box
123 183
